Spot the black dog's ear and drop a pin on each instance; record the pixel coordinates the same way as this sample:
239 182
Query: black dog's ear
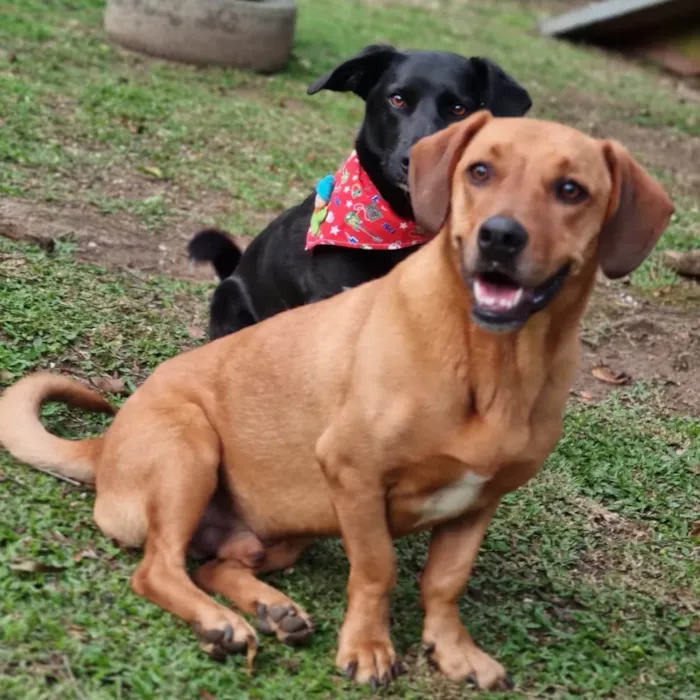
500 93
359 73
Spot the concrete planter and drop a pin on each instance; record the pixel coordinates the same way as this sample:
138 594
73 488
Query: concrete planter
255 34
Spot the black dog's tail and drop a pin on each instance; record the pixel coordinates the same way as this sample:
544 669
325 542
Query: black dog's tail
216 247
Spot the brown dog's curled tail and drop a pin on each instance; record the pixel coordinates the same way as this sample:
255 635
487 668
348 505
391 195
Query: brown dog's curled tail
26 439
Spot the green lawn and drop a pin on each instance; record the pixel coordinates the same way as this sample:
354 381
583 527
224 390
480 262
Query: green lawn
588 584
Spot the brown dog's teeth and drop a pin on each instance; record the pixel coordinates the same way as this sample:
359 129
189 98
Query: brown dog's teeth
351 670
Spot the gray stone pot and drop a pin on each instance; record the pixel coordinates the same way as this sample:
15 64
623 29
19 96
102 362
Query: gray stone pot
256 34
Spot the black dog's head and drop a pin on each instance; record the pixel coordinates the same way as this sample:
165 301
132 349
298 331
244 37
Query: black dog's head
412 94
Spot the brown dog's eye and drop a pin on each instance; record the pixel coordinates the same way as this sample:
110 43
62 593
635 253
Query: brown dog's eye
459 110
397 101
570 192
479 173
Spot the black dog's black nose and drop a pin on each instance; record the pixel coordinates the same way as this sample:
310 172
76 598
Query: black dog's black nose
404 164
501 238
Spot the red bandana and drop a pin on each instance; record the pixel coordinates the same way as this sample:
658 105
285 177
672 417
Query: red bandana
350 212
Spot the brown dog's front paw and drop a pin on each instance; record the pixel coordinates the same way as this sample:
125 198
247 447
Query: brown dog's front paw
290 624
223 637
465 662
372 661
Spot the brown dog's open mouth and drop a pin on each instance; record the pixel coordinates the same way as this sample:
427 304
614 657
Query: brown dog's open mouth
501 304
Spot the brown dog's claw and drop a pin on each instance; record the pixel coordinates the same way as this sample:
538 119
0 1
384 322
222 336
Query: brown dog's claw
397 669
428 648
219 643
508 682
471 681
373 684
386 679
351 670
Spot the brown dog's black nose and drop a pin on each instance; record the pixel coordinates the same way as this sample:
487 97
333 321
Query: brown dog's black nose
501 238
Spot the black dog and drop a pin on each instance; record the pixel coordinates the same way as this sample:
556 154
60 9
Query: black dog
408 95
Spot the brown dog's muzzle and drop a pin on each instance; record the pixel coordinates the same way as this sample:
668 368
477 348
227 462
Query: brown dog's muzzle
501 301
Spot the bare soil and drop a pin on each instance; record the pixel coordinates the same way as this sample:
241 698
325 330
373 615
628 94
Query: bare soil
116 241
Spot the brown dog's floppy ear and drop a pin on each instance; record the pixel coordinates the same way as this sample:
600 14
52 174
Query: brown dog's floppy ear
431 166
638 214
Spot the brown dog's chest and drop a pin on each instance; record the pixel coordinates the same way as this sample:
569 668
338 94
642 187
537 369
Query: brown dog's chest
486 456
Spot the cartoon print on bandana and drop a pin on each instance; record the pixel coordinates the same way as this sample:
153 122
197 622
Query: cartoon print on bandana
350 212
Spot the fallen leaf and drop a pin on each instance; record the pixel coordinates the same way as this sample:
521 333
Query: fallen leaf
605 374
153 171
76 632
196 332
586 396
6 376
84 554
34 567
292 665
695 529
250 656
206 695
112 385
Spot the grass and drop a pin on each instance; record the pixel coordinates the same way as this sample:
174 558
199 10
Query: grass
588 582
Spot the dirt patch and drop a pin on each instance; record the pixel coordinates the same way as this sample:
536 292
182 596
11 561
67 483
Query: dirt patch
605 522
657 346
115 241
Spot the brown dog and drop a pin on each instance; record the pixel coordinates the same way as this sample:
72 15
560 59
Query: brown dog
411 402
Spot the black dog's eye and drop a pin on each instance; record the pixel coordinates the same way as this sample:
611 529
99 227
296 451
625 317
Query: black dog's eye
570 192
397 101
479 173
459 110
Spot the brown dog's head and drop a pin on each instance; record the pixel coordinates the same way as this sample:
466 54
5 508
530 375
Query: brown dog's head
527 204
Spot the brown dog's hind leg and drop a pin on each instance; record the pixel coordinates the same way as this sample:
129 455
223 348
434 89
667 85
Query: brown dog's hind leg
453 549
275 614
188 462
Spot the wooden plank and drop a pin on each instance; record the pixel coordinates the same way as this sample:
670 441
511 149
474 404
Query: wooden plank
620 20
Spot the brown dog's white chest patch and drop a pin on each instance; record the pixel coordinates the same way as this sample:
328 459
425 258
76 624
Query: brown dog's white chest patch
453 500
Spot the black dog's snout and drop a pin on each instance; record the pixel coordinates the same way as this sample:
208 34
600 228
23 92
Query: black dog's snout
501 238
